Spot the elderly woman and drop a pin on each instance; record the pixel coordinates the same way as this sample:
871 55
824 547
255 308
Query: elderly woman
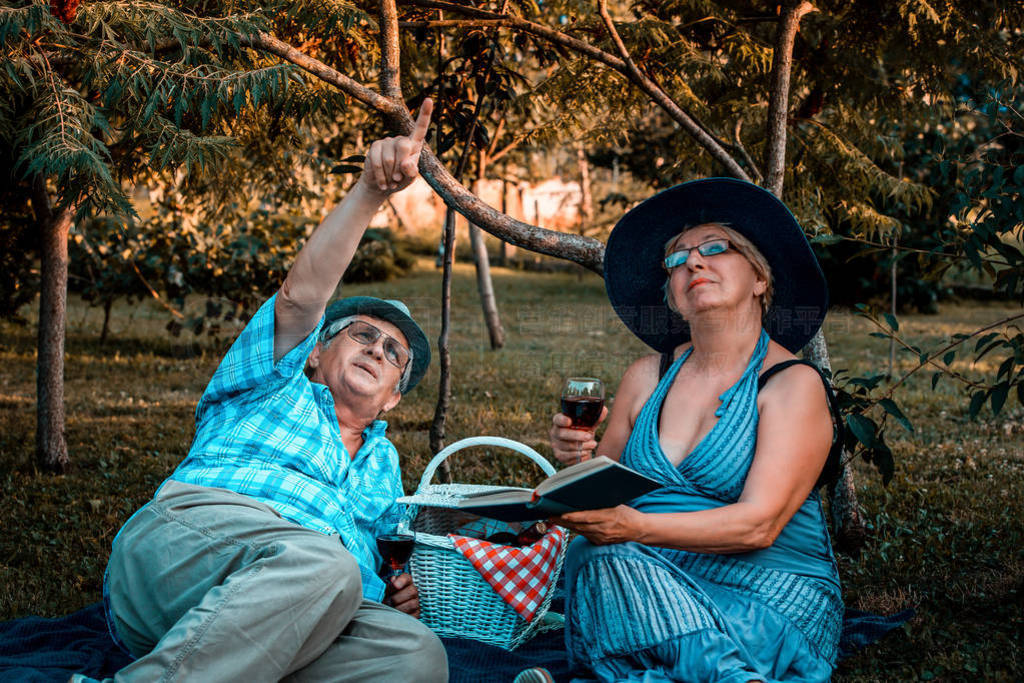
726 573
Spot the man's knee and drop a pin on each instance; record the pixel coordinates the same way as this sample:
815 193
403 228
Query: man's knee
426 660
319 565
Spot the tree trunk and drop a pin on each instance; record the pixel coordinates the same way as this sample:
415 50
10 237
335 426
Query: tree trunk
502 244
848 525
51 443
778 103
586 197
485 286
107 305
847 522
437 432
484 283
586 207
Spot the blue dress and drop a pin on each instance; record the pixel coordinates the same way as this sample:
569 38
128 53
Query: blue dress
641 613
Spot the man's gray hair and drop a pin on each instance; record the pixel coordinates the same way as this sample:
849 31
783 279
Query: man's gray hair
329 332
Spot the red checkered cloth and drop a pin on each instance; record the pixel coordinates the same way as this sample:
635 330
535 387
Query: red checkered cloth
521 576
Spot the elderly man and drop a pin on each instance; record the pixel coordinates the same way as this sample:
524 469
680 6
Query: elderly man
256 560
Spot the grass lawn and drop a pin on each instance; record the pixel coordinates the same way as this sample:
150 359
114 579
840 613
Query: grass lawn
946 534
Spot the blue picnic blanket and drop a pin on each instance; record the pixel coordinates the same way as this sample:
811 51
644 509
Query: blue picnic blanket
37 650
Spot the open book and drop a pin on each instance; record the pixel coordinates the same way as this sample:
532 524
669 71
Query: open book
588 485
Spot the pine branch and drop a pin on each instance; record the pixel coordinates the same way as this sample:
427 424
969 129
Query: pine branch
691 125
25 22
174 146
319 16
134 80
147 23
58 143
372 99
853 160
863 216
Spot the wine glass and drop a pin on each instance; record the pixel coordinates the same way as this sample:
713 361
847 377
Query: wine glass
396 549
582 401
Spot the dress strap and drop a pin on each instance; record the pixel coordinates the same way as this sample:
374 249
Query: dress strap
779 367
666 363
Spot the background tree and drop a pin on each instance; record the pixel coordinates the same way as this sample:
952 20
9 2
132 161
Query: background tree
101 96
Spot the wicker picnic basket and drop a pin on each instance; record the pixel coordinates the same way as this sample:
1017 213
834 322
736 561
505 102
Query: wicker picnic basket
455 600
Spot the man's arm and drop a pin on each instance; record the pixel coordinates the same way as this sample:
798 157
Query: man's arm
391 166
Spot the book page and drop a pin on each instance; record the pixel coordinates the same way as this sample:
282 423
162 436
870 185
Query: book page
574 472
503 491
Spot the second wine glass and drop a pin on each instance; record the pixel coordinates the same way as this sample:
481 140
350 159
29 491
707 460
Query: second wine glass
582 401
395 550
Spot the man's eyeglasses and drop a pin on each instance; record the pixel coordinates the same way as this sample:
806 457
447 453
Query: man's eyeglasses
366 334
714 247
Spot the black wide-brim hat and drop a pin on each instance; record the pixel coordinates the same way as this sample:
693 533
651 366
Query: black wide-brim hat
396 313
635 279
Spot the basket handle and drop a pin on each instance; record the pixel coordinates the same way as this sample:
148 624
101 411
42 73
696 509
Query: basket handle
533 455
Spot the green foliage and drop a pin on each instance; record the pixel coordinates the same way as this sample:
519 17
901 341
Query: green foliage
233 266
93 100
161 94
988 199
866 438
18 247
56 140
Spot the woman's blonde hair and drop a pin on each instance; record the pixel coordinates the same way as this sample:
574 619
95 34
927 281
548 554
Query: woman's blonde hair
741 244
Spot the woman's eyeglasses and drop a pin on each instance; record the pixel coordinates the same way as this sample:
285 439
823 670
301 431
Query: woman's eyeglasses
366 334
714 247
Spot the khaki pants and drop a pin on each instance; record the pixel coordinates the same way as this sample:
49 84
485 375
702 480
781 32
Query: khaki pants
208 585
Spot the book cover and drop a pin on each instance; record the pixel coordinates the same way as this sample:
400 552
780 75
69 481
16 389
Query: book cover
592 484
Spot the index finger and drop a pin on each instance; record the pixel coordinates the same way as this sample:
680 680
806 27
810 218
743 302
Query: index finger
419 131
571 518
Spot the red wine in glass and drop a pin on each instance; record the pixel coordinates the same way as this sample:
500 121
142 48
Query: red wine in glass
395 549
582 401
584 411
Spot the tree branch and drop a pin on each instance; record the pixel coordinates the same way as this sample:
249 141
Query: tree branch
738 145
602 8
585 251
930 360
778 104
686 121
372 99
498 130
634 70
390 80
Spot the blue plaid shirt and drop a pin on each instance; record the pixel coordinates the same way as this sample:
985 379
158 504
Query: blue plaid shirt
266 431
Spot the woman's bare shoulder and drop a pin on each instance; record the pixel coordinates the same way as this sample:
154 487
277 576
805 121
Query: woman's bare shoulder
641 371
793 381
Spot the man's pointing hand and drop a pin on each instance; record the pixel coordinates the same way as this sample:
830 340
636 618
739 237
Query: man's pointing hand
392 163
